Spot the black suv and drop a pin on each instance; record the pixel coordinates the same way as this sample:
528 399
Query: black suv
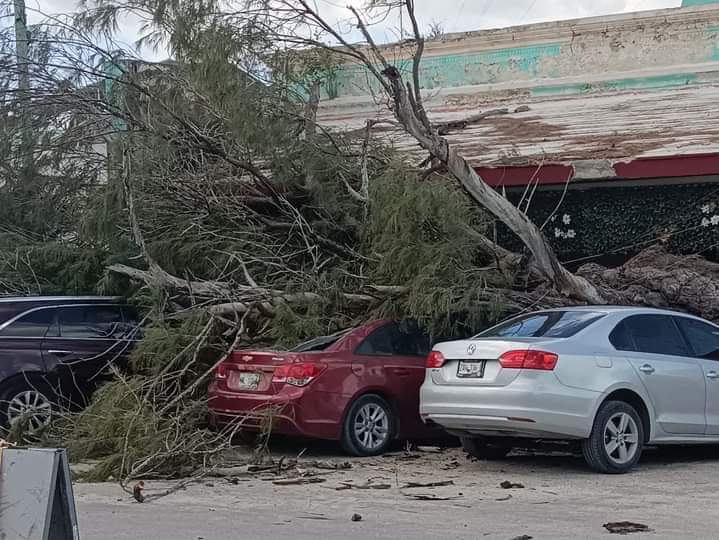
55 350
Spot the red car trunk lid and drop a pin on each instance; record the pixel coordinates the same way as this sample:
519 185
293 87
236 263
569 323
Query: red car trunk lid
251 371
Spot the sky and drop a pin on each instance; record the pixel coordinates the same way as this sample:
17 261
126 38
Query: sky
453 15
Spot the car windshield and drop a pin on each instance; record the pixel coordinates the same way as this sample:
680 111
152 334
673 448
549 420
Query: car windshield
558 324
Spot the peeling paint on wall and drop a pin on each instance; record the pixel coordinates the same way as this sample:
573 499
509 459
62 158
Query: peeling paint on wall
521 63
633 83
616 89
566 50
713 35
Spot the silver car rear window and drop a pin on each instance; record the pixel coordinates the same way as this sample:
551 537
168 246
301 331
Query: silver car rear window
556 324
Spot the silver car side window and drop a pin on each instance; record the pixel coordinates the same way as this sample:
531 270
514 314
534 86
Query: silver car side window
702 337
656 334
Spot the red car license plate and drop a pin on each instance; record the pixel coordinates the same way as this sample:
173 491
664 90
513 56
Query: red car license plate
247 380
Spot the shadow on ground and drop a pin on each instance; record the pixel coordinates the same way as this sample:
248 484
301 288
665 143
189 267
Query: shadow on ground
534 460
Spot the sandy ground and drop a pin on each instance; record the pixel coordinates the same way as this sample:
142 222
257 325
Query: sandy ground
673 492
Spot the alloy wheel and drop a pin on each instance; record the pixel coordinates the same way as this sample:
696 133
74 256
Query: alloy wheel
31 406
621 438
371 426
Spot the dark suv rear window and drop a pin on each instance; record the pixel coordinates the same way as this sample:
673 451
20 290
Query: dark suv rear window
91 322
557 324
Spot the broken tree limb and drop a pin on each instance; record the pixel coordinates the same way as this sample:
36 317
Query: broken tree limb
246 297
446 128
240 298
157 277
545 259
310 122
416 61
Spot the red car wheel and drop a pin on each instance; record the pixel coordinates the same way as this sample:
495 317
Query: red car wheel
369 426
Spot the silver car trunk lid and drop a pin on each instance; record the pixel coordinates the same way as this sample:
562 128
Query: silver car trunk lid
484 351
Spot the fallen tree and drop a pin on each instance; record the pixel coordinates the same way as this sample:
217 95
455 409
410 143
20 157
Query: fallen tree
225 202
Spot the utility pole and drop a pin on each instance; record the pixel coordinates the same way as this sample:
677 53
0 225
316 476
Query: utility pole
21 47
22 54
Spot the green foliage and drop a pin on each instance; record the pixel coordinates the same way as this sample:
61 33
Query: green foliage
131 427
163 342
49 267
291 327
122 429
423 236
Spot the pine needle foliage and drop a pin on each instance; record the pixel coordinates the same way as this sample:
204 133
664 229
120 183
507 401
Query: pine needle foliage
126 430
422 232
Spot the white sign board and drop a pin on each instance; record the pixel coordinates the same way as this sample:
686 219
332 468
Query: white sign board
36 500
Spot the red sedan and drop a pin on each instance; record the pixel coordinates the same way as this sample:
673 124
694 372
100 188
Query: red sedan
360 387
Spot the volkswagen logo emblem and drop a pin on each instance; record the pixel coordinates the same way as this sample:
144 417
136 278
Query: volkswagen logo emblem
470 350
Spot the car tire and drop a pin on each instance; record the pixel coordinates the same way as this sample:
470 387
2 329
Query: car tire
19 391
483 448
369 427
617 439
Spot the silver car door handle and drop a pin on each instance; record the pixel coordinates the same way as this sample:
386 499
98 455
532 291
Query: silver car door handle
646 368
712 375
56 352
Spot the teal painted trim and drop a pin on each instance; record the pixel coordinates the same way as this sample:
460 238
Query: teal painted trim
113 71
457 70
689 3
617 85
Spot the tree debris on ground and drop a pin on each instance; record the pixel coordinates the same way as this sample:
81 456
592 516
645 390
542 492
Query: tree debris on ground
441 483
626 527
369 484
298 481
430 497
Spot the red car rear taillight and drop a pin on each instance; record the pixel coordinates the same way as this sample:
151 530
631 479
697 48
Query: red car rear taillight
298 374
221 371
435 360
529 359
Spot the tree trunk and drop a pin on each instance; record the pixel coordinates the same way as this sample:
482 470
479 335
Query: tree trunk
545 260
660 279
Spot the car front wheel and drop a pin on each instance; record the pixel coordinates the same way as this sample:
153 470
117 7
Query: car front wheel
617 439
27 402
368 427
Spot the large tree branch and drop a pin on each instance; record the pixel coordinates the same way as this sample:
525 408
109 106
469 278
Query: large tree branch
416 62
544 257
244 297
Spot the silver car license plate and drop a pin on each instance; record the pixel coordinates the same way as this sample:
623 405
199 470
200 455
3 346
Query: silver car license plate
467 370
249 381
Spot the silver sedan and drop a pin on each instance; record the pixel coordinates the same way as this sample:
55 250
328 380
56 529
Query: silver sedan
613 378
